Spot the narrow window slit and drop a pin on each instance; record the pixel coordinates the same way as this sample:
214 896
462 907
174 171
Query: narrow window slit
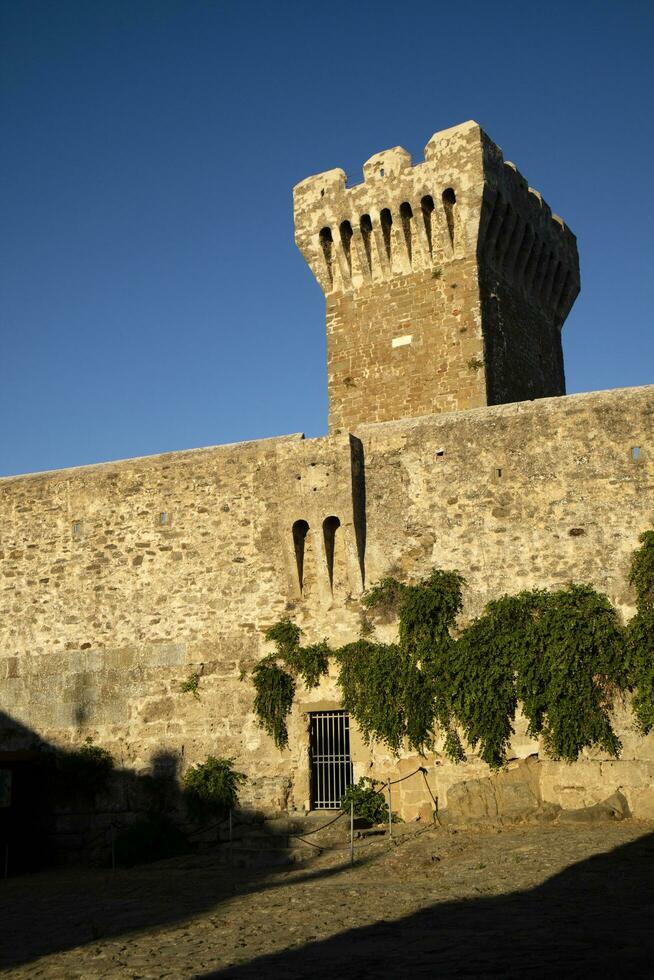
329 528
406 214
386 221
326 243
635 453
427 208
449 202
365 224
300 531
346 242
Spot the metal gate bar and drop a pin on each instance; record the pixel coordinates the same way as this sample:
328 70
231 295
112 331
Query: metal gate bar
331 765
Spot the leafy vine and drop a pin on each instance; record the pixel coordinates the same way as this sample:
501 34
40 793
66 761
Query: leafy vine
563 655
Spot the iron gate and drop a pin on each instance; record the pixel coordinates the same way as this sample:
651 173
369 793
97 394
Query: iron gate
331 766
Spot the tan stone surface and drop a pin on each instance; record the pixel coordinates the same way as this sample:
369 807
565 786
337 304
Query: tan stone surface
99 632
446 283
118 581
552 901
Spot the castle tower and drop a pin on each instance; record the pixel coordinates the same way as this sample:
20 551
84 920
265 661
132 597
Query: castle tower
446 283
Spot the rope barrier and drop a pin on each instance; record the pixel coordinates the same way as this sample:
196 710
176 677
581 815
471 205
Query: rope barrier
309 833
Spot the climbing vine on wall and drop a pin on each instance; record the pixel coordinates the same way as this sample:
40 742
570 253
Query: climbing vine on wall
640 633
563 655
275 684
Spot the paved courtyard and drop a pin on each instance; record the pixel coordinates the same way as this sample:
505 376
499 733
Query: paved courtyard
535 901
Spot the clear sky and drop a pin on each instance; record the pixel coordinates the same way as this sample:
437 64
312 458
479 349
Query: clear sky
151 295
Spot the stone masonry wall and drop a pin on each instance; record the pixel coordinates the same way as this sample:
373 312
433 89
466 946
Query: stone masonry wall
412 348
446 283
105 610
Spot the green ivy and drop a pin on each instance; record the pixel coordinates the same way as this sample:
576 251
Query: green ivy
562 654
641 574
191 685
275 685
309 663
398 691
640 633
275 690
369 802
371 682
211 787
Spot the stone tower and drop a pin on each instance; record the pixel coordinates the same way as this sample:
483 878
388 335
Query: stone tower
446 283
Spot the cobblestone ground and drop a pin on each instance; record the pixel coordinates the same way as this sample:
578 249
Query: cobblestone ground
540 901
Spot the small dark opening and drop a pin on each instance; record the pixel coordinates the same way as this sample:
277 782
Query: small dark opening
346 239
386 220
406 214
326 243
427 207
300 531
449 201
365 224
329 528
635 452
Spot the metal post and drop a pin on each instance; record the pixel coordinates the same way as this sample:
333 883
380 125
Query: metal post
351 833
390 811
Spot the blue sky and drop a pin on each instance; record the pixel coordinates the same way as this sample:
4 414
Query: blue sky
151 295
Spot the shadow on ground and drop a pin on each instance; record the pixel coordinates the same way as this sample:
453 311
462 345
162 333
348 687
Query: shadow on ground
594 919
44 911
48 913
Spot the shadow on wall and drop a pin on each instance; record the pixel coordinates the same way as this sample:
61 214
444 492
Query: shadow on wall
56 806
593 919
75 807
41 914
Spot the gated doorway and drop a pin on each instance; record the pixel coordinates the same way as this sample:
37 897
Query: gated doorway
331 765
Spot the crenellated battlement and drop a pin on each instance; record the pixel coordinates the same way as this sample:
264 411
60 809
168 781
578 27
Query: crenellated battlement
402 218
430 268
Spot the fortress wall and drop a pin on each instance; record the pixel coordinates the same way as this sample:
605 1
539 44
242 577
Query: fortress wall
98 632
569 504
512 483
